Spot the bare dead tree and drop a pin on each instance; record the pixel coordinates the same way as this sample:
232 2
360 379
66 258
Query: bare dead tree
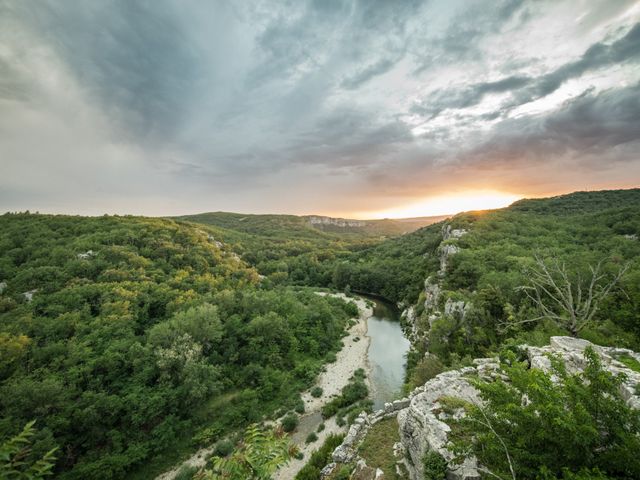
571 303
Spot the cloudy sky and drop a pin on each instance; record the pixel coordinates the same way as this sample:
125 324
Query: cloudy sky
353 108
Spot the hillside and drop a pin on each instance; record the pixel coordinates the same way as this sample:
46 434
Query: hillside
479 273
132 341
310 226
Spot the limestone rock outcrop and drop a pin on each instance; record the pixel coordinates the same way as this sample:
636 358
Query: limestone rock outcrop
422 419
337 222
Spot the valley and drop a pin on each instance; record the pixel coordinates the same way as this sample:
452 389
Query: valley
172 336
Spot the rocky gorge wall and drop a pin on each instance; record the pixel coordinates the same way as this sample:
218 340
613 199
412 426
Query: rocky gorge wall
421 418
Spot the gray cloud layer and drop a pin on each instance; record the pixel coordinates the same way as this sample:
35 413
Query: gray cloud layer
165 106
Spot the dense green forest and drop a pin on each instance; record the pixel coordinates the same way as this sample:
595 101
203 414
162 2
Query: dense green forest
127 338
288 249
131 341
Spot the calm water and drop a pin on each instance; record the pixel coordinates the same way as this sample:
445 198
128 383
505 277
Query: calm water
387 354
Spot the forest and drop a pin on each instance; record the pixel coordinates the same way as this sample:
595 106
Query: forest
122 337
133 340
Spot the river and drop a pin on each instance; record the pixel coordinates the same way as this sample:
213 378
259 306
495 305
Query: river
387 354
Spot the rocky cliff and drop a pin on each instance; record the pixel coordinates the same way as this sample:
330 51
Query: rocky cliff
337 222
421 418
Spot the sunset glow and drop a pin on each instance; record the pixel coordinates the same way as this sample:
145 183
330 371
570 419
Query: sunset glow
450 204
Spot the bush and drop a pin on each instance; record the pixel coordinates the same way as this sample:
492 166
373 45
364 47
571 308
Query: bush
185 473
425 370
312 437
223 448
299 408
321 427
435 466
353 392
319 458
316 392
290 422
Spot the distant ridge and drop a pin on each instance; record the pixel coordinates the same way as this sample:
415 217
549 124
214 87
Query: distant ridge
311 225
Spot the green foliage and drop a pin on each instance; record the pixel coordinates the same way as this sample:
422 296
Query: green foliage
259 455
17 461
351 395
223 448
186 473
312 437
427 368
495 255
535 427
316 392
290 422
630 362
435 466
319 458
139 330
344 473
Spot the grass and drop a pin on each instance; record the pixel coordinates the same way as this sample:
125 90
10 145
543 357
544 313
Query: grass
377 447
630 362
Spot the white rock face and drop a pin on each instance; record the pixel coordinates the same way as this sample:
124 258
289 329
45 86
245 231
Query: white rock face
87 255
422 425
456 308
29 295
3 286
422 429
448 232
445 252
338 222
432 292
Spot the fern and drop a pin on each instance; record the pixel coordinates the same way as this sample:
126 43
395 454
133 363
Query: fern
14 455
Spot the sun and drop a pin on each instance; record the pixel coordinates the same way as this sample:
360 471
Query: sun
450 204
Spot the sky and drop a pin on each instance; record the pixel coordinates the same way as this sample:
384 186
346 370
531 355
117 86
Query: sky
364 109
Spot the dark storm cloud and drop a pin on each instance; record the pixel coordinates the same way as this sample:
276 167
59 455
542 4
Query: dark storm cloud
528 89
589 126
223 102
133 56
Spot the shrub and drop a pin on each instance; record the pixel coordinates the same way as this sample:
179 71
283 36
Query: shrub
289 422
425 370
316 392
312 437
319 458
344 473
299 408
435 466
185 473
223 448
321 427
353 392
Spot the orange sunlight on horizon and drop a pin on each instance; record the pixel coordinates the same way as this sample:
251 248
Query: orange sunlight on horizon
448 204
